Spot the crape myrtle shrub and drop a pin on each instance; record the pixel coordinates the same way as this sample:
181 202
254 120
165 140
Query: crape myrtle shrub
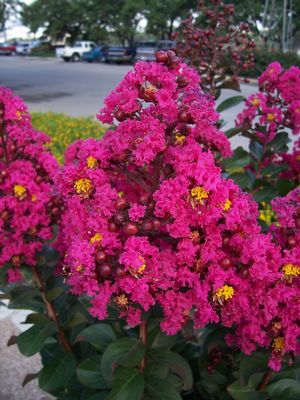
155 241
270 118
218 48
28 206
150 221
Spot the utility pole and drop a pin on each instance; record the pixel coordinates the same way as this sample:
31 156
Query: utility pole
279 13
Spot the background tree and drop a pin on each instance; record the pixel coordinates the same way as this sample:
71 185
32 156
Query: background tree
8 8
161 15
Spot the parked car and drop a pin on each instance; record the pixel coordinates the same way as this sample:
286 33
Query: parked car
24 48
97 53
145 51
7 49
120 54
75 52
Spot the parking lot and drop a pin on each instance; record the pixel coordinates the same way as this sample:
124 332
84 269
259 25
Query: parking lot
77 89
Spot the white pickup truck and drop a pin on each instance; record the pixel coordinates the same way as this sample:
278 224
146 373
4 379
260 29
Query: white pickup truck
75 52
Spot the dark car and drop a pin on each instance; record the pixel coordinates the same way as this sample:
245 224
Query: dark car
7 49
120 54
97 54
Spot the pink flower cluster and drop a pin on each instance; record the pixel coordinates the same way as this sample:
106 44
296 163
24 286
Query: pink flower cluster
150 221
277 105
26 186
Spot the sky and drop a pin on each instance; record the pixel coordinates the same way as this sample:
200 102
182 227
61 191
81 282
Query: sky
15 29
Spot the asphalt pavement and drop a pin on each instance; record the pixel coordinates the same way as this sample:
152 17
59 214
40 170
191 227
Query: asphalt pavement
76 89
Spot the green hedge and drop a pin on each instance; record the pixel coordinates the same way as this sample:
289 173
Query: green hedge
264 58
64 130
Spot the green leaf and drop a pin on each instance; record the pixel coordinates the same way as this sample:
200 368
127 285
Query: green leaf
232 132
285 389
24 298
158 389
284 186
128 384
58 372
240 158
98 335
89 373
272 169
127 352
98 396
75 319
265 194
31 341
176 363
239 392
53 293
240 179
279 143
230 102
34 318
249 365
256 150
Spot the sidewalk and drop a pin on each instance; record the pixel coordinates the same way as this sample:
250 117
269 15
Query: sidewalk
13 365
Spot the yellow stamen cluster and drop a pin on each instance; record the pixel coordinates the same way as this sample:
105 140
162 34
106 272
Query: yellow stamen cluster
198 193
33 197
20 191
121 300
291 270
226 205
96 238
150 89
271 117
83 186
91 162
180 138
225 292
255 102
19 114
278 344
79 268
142 266
298 157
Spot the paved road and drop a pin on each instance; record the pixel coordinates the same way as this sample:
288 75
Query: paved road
76 89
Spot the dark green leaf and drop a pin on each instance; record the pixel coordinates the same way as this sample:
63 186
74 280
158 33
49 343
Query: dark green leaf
127 352
99 396
35 317
240 159
232 132
256 150
176 363
31 341
158 389
128 384
98 335
230 102
267 193
239 392
89 373
58 372
74 320
272 169
241 179
284 186
279 143
53 293
285 389
24 298
249 365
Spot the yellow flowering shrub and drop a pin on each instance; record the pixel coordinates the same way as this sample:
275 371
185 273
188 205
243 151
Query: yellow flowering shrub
64 129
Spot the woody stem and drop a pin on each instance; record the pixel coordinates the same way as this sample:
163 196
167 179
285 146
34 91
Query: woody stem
143 339
51 310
